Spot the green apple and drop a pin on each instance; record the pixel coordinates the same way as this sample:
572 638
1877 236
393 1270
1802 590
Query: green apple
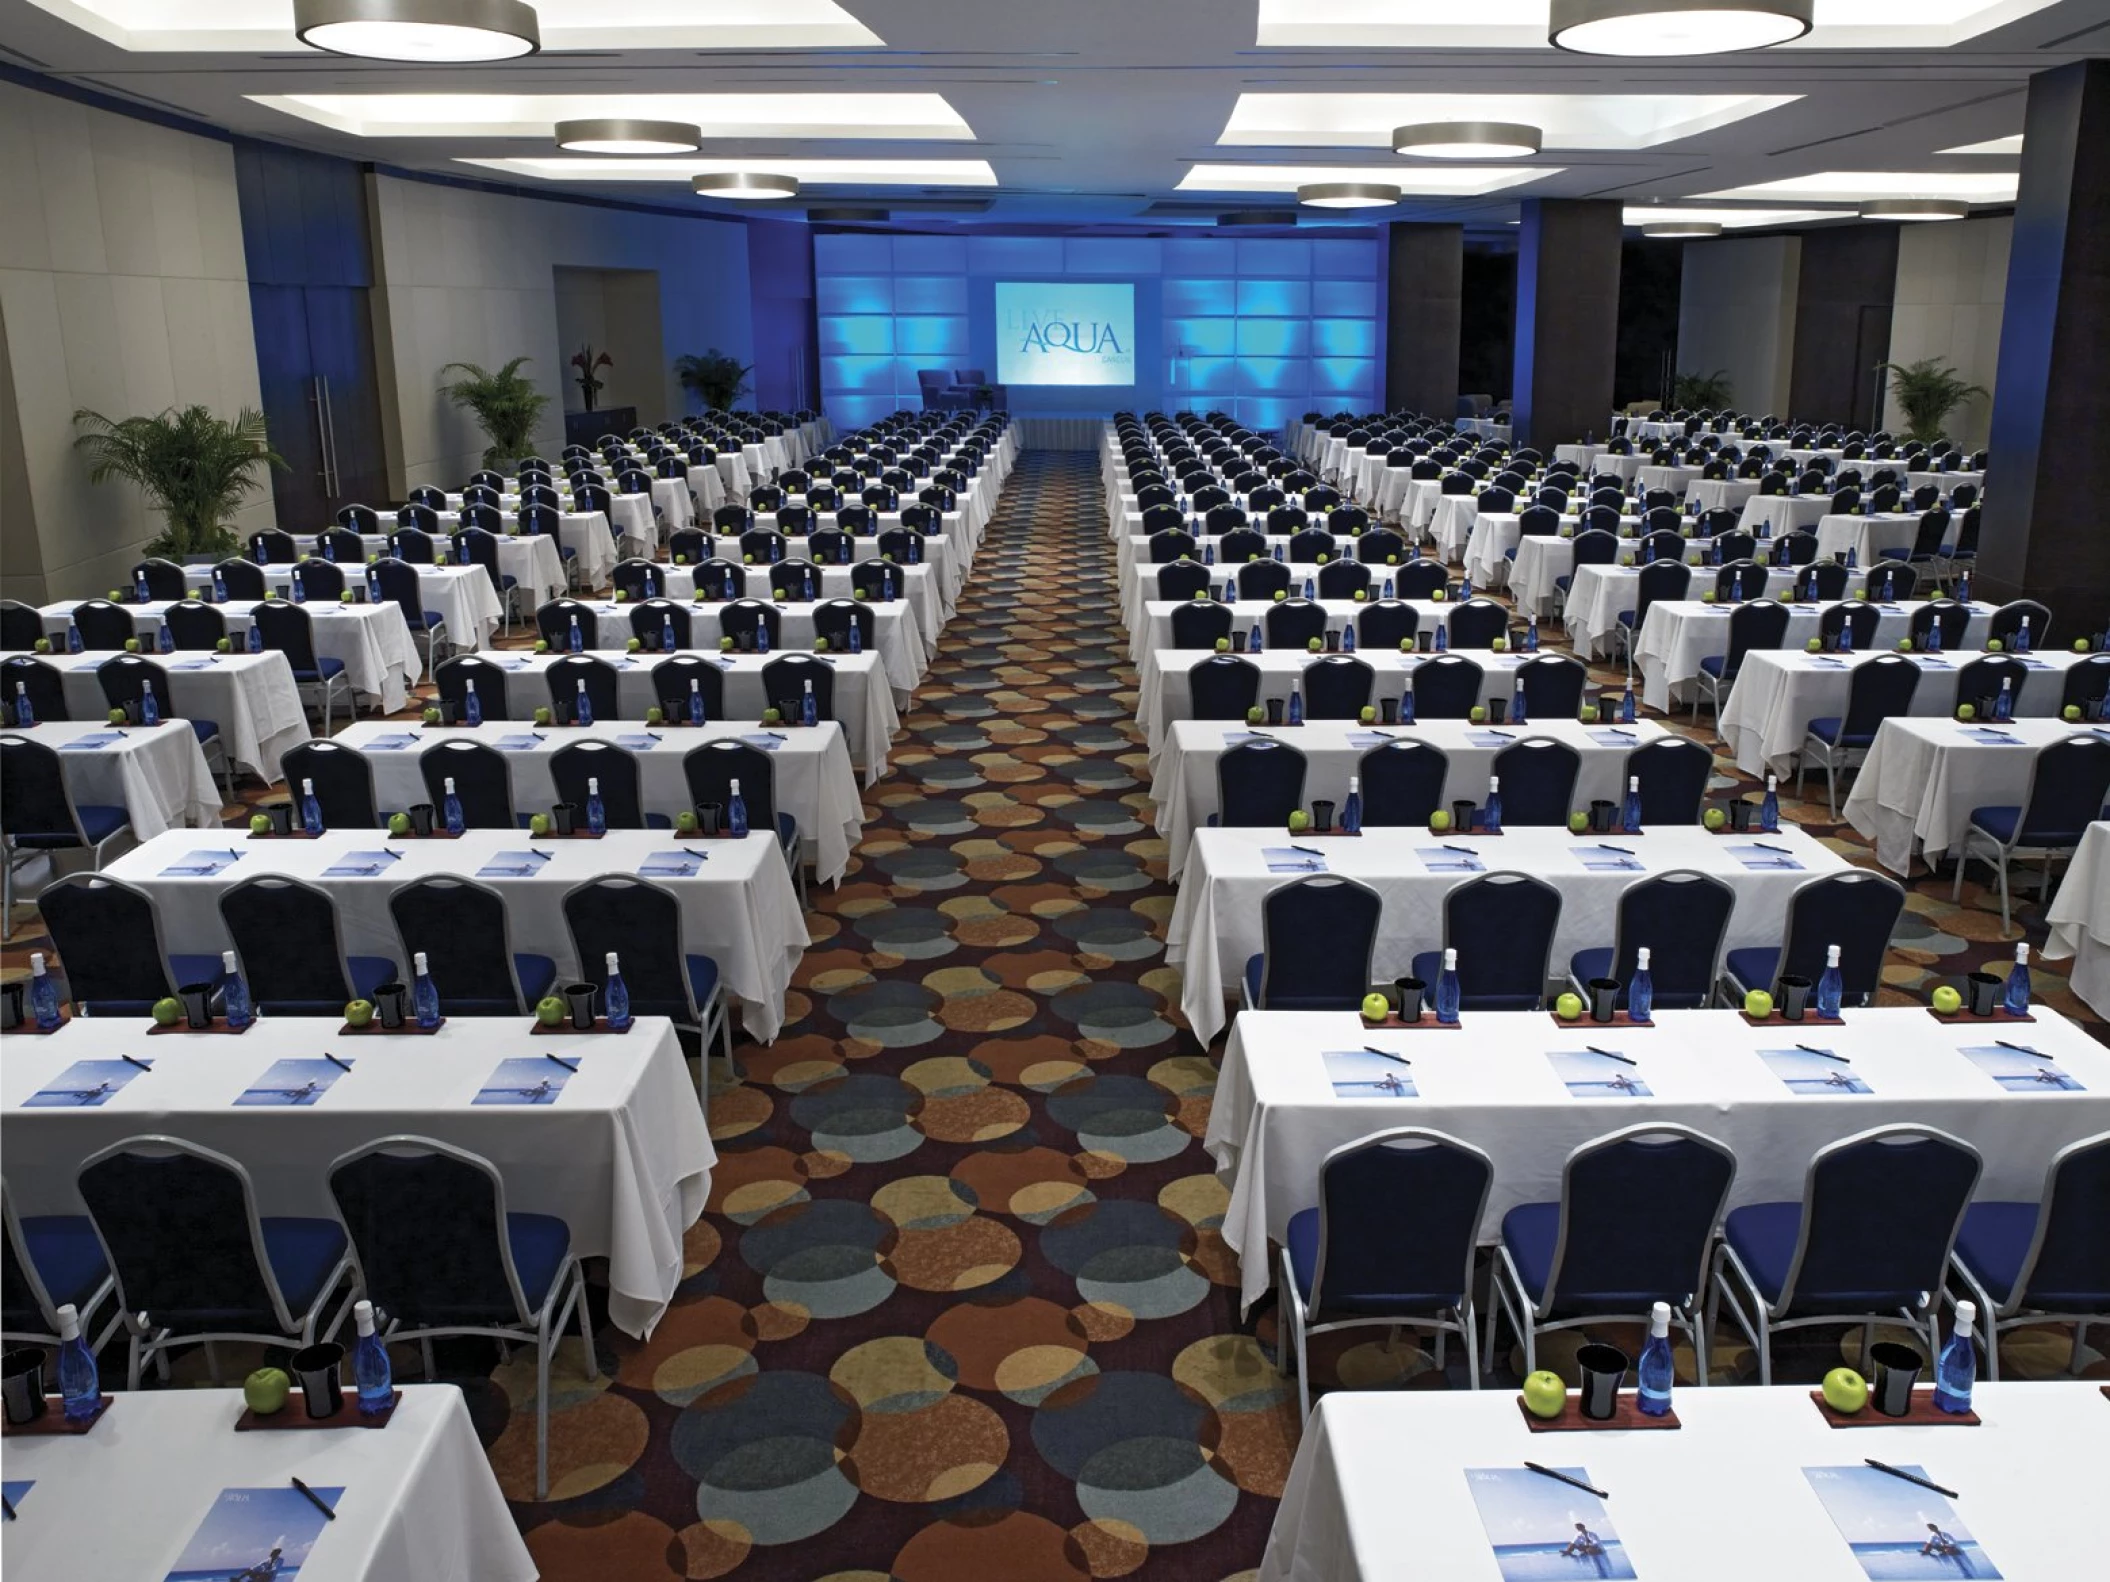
166 1010
655 715
1436 595
1376 1008
1904 645
1626 560
620 595
1966 711
2070 713
1860 593
1787 596
1947 1000
772 716
747 560
358 1013
538 824
1993 645
685 821
1845 1390
1391 560
681 560
2080 645
1299 821
1367 715
347 597
1406 645
1201 595
1479 714
270 593
550 1011
131 645
700 595
1568 1007
542 715
820 645
117 595
432 716
1439 821
259 823
194 593
1544 1394
1250 559
1815 645
116 716
399 823
1707 597
1361 594
43 645
1758 1004
1281 594
1320 560
542 645
1500 645
265 1391
1578 821
725 644
1313 644
1589 714
1714 818
1223 645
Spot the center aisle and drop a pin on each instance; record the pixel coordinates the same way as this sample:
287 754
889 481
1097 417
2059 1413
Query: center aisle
960 1306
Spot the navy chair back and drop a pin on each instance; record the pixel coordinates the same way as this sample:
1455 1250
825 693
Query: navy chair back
35 806
344 782
1890 580
1345 579
1855 911
1307 544
1263 579
21 627
482 783
640 579
1259 784
427 1223
105 627
290 630
1682 917
1446 687
1293 623
1337 687
125 678
1477 623
1239 545
1380 547
292 956
1740 580
1820 579
109 936
1598 546
670 686
2069 786
452 677
1183 579
398 581
1196 625
1553 686
613 769
1402 783
1880 1211
1538 775
641 923
648 623
1978 682
1674 773
711 769
164 578
1661 579
1501 925
1399 1214
1880 687
719 578
1317 935
323 581
741 618
461 927
553 623
2087 682
1638 1211
2008 619
40 682
1223 687
732 519
563 678
784 678
687 546
1386 624
2067 1265
1952 617
796 580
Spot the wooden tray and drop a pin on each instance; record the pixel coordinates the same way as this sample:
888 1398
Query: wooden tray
600 1025
1324 834
1810 1019
409 1028
298 834
411 834
217 1025
1571 1420
1427 1023
54 1419
1924 1413
295 1415
577 834
28 1024
1619 1019
697 834
1999 1015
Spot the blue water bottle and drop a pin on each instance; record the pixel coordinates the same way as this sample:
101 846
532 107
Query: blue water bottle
329 549
424 993
2015 998
666 634
219 586
1641 993
1406 705
1491 815
696 699
1296 704
310 809
2004 701
1209 554
1531 635
472 705
234 993
1516 705
149 709
1252 642
300 588
1831 988
43 994
141 593
1957 1368
25 711
615 994
1626 707
596 809
857 637
165 640
263 551
1447 990
370 1369
2022 636
1310 589
74 644
1656 1369
809 709
582 705
1352 807
761 637
1630 814
1769 807
80 1386
575 639
735 811
1443 637
1932 643
1389 586
1348 638
256 637
451 809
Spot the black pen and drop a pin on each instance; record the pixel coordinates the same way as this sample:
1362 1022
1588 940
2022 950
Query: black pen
2024 1049
568 1065
1610 1054
1759 845
1562 1477
141 1064
341 1065
315 1500
9 1505
1620 851
1910 1477
1812 1049
1503 734
1372 1049
1307 851
1463 851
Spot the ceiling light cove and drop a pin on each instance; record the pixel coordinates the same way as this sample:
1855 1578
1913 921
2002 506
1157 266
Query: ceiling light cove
1561 120
1652 216
1347 195
1466 140
1675 27
1866 186
2009 146
807 172
894 117
1697 230
1916 209
1435 181
613 136
748 186
418 30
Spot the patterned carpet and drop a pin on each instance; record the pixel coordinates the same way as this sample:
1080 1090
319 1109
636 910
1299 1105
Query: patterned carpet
959 1305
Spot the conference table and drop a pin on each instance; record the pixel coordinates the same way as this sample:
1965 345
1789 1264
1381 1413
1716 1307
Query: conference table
1674 478
1390 1486
415 1500
1922 778
251 697
1880 535
1770 515
959 536
1277 1113
531 559
621 1153
1496 533
1595 460
462 596
1542 560
921 586
1677 634
372 640
636 519
1164 693
1598 594
1137 572
1152 633
1720 494
903 648
1216 918
737 906
864 704
2079 920
598 538
158 774
811 769
1184 786
1778 691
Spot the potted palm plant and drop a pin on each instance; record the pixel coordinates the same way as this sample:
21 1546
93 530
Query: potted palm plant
196 469
715 379
507 405
1927 392
1702 392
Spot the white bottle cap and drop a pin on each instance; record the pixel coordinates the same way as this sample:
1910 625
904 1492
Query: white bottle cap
1659 1319
593 785
227 960
1641 959
469 682
695 685
1633 782
36 964
611 964
449 784
1966 1316
582 685
809 686
307 788
1450 958
1772 782
417 961
2022 955
69 1322
1831 955
363 1316
1355 784
735 788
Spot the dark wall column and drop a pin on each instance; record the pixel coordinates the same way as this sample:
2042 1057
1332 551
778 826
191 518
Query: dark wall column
1567 319
1424 298
1842 323
787 372
2050 452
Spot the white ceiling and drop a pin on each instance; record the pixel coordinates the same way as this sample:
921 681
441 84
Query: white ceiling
1120 113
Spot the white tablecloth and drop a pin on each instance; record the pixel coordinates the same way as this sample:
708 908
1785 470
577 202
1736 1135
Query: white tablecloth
1184 786
630 514
863 706
896 637
1675 479
530 558
739 910
373 640
1887 536
623 1157
419 1501
462 596
1150 639
1600 593
1778 693
158 775
814 781
1923 777
1216 920
1678 633
251 697
1495 533
1276 1115
1773 514
1379 1491
920 587
2080 920
1715 494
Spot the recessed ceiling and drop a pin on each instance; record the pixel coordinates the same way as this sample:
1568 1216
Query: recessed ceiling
810 172
1858 186
1522 24
1727 218
1422 180
157 25
1567 120
907 116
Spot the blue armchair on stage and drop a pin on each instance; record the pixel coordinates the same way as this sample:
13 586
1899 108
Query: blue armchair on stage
960 390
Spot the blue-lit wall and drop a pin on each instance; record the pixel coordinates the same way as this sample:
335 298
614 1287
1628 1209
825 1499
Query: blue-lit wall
1265 328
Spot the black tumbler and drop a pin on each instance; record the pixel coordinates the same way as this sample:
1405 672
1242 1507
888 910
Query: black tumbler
1604 999
564 817
420 819
1602 1369
316 1370
391 1004
1408 992
579 996
1388 711
1274 711
1794 997
1322 818
1981 993
197 1005
1897 1369
22 1384
1462 817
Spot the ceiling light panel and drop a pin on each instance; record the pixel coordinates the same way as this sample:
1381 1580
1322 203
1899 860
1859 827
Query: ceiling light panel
1521 24
2010 146
907 117
809 172
1727 219
1425 180
1859 186
1567 120
257 26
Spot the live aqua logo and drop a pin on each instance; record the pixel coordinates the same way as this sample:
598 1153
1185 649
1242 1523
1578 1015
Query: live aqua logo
1083 337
